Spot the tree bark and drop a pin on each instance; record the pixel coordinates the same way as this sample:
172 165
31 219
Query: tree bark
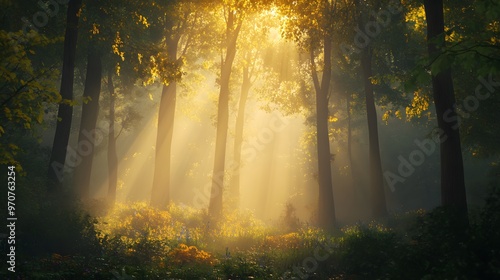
326 207
87 134
238 138
379 207
160 194
349 139
65 113
112 155
453 193
232 31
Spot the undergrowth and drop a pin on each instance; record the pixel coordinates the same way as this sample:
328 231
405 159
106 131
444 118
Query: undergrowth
139 242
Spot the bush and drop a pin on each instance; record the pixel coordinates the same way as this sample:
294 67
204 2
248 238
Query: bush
367 252
244 267
57 226
137 241
190 255
440 247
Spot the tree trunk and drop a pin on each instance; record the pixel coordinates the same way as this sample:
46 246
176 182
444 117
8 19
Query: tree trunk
269 176
379 208
112 156
87 135
65 113
349 139
238 138
215 205
453 193
160 194
326 207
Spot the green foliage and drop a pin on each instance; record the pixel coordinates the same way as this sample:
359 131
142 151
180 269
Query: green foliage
367 252
26 90
289 218
244 267
58 227
417 246
46 224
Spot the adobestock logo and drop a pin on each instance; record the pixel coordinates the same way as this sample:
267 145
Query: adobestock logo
417 157
427 147
84 148
310 264
372 29
41 18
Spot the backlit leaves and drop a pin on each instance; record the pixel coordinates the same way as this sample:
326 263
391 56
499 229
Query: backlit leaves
419 105
26 91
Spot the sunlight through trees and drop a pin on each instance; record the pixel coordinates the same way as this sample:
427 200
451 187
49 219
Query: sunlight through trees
231 139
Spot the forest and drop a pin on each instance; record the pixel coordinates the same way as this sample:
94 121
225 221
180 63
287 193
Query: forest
238 139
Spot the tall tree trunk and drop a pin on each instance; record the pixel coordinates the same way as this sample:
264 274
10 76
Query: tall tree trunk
326 207
349 138
232 31
378 204
160 194
65 112
453 193
87 134
238 138
268 175
112 156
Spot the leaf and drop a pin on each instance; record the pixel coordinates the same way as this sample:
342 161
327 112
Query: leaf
151 96
441 64
39 118
332 119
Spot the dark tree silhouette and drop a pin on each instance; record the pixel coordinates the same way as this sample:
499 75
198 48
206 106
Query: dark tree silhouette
87 134
65 113
452 171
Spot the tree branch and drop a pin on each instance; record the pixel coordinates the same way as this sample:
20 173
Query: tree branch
314 73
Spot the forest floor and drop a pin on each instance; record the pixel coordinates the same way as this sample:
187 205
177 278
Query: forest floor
136 241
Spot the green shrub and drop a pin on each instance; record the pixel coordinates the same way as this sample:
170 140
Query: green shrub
367 252
57 225
244 267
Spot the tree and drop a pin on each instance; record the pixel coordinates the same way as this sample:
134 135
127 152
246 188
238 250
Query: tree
107 33
238 138
379 208
64 115
472 47
26 90
453 194
182 28
311 27
251 65
378 203
90 110
233 15
98 24
121 117
112 156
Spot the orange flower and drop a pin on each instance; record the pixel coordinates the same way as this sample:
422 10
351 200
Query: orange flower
190 255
